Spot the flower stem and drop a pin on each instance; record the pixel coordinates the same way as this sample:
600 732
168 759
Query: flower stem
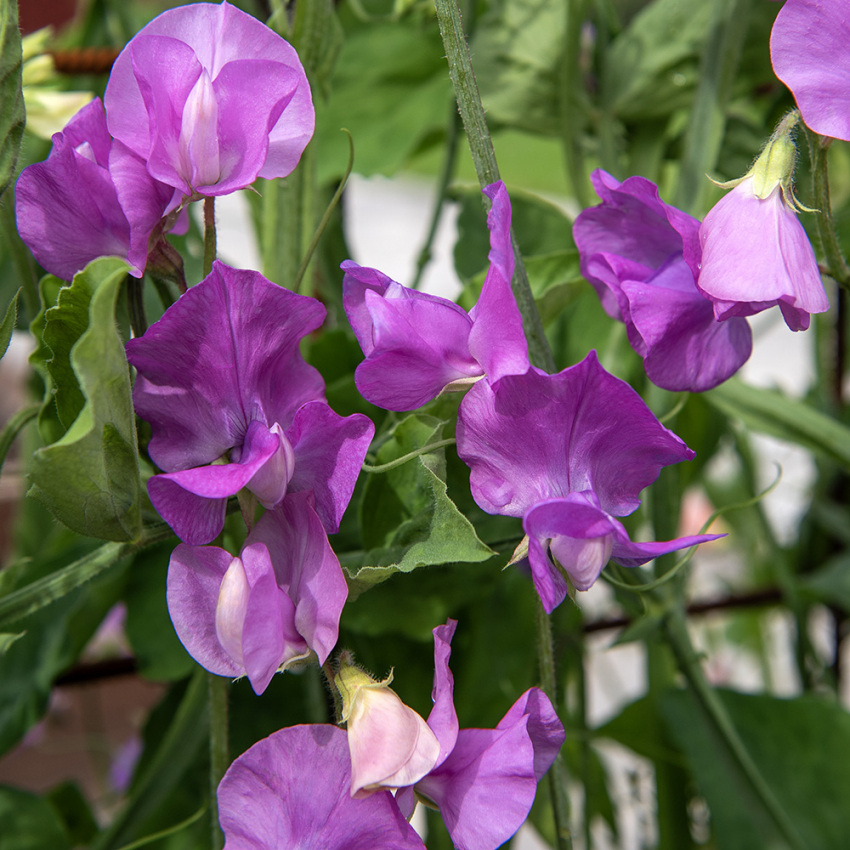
557 777
836 264
676 631
219 748
486 167
209 234
386 467
572 101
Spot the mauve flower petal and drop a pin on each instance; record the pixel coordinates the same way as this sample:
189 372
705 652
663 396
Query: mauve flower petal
306 569
420 343
541 436
329 450
631 554
443 717
575 517
686 348
218 36
195 574
485 788
292 790
808 48
194 519
226 353
269 637
544 727
144 200
356 282
66 207
497 339
755 254
244 122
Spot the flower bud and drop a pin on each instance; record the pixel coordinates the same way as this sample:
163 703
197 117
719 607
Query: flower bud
391 746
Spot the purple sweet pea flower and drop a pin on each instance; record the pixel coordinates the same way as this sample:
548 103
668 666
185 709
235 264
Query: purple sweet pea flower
808 48
567 453
632 250
756 255
280 600
69 210
484 780
418 345
292 790
221 374
210 99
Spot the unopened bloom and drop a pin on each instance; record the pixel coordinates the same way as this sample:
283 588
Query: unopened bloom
68 208
632 250
808 48
418 345
292 790
568 453
755 253
210 99
390 744
221 378
483 781
266 609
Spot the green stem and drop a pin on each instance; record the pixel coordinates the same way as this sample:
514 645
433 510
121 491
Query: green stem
486 167
720 59
676 631
136 305
12 428
836 264
164 833
219 748
557 776
386 467
209 234
446 174
572 102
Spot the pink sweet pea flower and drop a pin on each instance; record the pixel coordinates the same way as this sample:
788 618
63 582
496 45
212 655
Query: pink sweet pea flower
280 600
210 98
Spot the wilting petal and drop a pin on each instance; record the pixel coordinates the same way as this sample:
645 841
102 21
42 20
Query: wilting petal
497 339
755 254
67 208
226 353
306 569
544 436
808 48
631 554
329 451
292 790
443 717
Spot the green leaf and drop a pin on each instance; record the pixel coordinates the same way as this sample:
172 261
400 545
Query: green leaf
12 113
7 639
518 48
27 822
799 747
73 809
772 412
651 68
407 517
8 324
89 479
830 583
155 644
49 425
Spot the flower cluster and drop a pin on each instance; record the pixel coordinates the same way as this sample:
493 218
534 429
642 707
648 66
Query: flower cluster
186 117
